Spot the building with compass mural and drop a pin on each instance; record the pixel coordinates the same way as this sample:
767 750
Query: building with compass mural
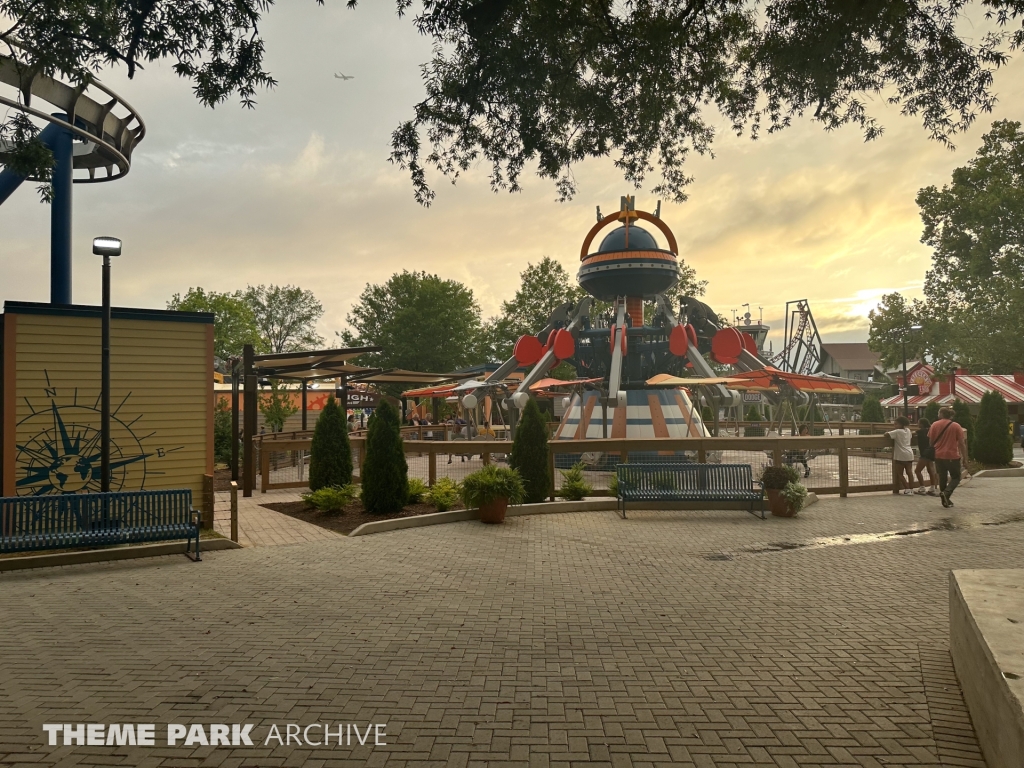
162 399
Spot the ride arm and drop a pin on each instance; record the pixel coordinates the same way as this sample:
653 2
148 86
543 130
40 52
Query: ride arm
700 365
615 369
558 319
548 360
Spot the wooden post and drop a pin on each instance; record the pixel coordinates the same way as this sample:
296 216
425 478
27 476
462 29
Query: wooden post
304 389
702 453
777 452
249 423
234 418
207 502
486 456
432 467
264 468
551 472
234 511
844 470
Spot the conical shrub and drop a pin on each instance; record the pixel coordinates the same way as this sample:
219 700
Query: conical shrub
385 474
330 455
993 443
962 416
530 454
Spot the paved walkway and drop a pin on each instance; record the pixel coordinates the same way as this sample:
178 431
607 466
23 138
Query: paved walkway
262 527
671 638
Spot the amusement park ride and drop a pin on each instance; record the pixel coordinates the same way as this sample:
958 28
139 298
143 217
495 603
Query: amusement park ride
619 357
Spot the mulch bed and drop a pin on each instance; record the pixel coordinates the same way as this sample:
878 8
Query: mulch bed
347 521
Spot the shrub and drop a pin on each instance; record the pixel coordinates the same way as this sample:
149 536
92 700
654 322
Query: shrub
385 472
931 412
993 443
753 414
332 498
222 432
490 483
962 416
871 410
777 478
330 455
445 494
530 454
417 490
795 495
574 486
613 485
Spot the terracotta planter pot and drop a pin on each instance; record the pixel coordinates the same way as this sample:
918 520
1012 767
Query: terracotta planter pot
778 505
493 511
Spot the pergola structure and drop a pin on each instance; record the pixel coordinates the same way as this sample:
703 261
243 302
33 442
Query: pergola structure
302 367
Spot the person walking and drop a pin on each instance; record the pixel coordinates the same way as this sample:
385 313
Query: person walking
950 443
925 460
903 454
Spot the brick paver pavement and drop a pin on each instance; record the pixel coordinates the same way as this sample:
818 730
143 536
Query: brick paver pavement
262 527
671 638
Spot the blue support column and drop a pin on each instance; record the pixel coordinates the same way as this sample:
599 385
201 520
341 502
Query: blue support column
9 180
60 217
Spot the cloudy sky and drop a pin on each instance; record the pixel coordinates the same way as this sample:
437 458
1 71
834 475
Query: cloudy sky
299 191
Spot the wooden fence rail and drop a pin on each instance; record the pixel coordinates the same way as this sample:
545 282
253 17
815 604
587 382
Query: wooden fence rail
778 448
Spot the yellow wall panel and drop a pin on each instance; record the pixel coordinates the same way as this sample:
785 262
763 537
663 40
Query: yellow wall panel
161 403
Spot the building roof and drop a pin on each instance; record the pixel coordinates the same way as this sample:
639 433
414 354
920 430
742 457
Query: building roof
969 388
853 356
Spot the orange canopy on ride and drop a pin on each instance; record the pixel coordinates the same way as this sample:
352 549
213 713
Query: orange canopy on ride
442 391
765 379
553 383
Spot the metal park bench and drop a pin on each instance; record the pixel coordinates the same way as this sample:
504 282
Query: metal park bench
687 481
29 523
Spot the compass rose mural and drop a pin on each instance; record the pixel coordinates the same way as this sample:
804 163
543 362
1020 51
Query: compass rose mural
161 405
62 454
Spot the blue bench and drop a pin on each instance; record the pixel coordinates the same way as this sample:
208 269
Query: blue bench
687 481
30 523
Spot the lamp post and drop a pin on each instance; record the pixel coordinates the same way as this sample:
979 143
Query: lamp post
906 404
105 247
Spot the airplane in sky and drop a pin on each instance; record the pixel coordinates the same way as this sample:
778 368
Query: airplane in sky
343 76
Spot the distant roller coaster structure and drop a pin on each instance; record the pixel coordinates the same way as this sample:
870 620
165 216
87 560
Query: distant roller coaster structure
801 349
92 140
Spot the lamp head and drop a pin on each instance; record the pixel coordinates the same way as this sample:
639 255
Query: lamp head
106 246
916 327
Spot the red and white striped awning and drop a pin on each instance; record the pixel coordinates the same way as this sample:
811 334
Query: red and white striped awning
969 388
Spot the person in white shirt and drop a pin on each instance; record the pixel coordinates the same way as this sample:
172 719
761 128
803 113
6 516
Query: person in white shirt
903 454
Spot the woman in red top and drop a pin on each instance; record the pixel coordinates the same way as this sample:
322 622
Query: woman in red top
950 443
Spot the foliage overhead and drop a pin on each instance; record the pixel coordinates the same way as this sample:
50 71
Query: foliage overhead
234 323
422 322
549 83
330 454
972 314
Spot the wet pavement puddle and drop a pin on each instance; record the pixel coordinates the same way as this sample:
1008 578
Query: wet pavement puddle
946 524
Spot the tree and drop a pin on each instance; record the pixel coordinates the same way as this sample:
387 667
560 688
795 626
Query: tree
891 322
215 45
330 454
384 474
530 453
871 410
286 317
223 434
422 322
972 314
276 406
993 443
931 412
962 416
543 287
234 323
975 224
753 415
552 82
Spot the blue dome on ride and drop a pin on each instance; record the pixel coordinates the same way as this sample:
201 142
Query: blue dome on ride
639 240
